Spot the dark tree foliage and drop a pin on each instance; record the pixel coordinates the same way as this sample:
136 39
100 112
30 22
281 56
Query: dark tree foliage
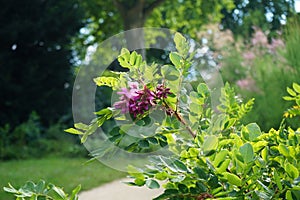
106 18
266 14
35 58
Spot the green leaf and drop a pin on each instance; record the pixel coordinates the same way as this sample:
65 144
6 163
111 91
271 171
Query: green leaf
213 182
224 165
106 81
181 44
104 111
254 131
73 131
247 152
288 195
233 179
171 191
257 146
296 87
169 72
183 188
203 90
92 129
175 59
201 187
283 150
277 180
178 178
210 143
169 163
220 157
125 53
264 154
180 166
171 77
10 189
152 140
161 176
291 92
59 194
74 195
81 126
179 39
143 144
139 181
40 186
288 98
152 184
291 170
132 58
200 172
137 174
195 108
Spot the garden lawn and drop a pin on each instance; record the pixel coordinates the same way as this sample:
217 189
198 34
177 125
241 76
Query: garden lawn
63 172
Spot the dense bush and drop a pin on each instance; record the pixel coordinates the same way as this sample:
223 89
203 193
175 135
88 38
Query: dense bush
32 140
223 159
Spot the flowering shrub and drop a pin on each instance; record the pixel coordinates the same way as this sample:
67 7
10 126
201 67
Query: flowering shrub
261 69
223 158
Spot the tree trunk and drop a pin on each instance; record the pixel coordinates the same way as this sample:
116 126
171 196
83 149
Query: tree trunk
134 18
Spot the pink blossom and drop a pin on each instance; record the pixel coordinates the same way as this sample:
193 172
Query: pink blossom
247 84
259 38
126 95
142 102
275 44
162 91
249 55
137 102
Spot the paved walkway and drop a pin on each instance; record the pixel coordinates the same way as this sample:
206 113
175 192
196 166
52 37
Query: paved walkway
117 190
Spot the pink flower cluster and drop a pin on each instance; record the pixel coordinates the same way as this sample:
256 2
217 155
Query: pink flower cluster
259 38
246 84
137 102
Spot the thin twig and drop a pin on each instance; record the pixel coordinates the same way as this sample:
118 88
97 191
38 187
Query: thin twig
181 120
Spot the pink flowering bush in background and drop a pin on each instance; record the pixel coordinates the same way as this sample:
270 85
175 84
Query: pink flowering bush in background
260 67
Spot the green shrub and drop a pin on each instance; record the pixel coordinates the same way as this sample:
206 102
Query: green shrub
40 191
224 158
31 140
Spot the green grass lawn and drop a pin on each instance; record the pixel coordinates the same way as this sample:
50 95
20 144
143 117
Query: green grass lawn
63 172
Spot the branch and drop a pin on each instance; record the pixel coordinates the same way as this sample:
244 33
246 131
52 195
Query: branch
181 120
178 116
150 8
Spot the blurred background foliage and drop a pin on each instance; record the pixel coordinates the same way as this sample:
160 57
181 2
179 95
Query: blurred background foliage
44 42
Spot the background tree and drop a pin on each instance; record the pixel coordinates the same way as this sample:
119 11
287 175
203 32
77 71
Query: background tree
265 14
106 18
35 58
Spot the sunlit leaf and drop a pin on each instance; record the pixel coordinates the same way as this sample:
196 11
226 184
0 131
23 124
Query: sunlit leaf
247 152
210 143
152 184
